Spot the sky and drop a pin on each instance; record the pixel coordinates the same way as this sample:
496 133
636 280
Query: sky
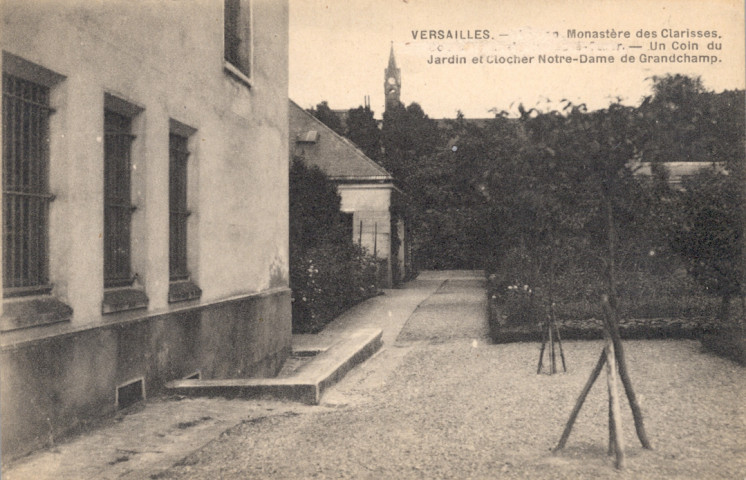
340 48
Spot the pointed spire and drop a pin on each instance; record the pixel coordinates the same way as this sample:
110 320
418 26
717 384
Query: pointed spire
392 81
392 60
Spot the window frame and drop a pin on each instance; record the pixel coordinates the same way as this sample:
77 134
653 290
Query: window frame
181 285
120 289
126 112
118 207
36 83
178 206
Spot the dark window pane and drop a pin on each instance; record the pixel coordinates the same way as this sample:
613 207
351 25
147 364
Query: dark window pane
232 13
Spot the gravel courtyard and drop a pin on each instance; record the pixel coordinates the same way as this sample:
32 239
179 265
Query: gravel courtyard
451 405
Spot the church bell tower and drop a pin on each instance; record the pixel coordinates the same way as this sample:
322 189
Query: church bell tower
392 81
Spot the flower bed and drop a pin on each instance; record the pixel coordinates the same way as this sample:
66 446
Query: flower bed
725 342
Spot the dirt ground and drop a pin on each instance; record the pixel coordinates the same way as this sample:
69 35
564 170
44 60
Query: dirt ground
444 403
440 401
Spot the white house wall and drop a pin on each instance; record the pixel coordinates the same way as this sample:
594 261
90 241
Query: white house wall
370 204
165 58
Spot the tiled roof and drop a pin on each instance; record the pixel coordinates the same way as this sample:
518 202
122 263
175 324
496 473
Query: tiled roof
338 157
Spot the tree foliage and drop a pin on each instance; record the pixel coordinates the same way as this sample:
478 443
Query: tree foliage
554 197
710 235
315 216
328 272
328 117
684 122
408 136
705 220
362 129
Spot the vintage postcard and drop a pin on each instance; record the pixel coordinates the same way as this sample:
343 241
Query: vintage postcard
373 239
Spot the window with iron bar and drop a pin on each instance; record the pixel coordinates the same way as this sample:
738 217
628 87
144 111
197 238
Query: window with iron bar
26 194
179 154
118 206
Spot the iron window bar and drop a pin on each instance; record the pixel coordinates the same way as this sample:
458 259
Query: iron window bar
19 193
25 100
27 291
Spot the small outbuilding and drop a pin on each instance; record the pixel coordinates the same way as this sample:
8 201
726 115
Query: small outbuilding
370 198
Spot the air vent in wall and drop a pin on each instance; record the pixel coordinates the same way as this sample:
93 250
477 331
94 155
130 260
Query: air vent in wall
130 393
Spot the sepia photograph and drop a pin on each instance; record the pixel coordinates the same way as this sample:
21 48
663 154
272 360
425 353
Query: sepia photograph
357 239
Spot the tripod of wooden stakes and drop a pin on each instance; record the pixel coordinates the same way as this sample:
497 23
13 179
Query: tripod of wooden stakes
549 333
613 356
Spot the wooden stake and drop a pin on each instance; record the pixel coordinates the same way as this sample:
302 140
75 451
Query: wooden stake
375 240
616 443
553 369
623 374
579 403
553 318
562 353
541 352
612 437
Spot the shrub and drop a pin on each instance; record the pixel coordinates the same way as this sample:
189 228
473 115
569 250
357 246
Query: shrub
328 273
709 239
328 279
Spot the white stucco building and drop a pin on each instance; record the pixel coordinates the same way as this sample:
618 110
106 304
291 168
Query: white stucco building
145 203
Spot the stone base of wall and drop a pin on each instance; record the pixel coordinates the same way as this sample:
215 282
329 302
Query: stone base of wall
55 385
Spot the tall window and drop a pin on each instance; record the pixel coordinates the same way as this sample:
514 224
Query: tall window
237 32
179 155
26 194
118 206
232 14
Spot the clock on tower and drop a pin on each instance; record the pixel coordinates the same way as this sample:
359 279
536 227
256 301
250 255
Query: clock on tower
392 81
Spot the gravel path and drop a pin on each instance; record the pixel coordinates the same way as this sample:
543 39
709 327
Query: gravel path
458 407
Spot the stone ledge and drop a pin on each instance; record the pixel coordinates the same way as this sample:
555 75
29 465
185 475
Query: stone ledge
182 291
122 299
306 385
24 337
33 312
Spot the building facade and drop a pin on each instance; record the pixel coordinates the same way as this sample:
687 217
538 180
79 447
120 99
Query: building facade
145 209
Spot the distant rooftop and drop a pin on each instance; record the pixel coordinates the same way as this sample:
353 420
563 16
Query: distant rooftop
337 156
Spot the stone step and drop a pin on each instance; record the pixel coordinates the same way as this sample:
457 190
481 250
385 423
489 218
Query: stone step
306 385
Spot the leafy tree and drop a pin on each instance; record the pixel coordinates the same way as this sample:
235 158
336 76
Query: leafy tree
455 228
705 223
407 136
363 131
710 237
315 216
596 148
328 117
685 122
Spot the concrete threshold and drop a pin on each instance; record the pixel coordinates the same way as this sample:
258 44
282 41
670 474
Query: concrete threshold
306 385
